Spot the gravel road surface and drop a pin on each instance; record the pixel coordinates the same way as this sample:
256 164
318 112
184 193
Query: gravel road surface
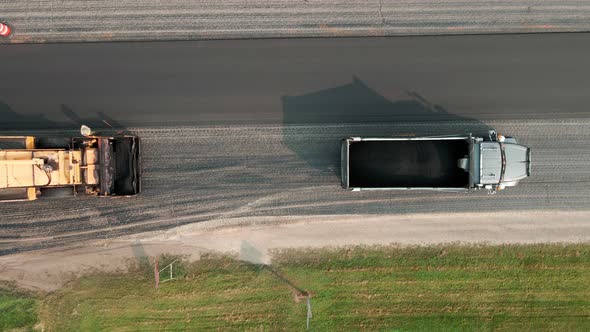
197 174
44 21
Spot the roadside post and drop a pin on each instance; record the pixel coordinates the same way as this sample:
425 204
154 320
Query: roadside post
156 273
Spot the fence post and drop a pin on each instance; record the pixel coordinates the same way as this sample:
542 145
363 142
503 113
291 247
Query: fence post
156 273
309 315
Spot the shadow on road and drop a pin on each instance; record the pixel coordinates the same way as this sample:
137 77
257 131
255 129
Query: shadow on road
101 122
11 120
316 122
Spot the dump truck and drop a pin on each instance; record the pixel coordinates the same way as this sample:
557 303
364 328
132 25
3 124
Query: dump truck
443 163
30 168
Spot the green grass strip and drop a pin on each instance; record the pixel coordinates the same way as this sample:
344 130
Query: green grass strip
440 288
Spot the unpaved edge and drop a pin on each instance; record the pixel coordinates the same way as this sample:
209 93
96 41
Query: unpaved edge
50 269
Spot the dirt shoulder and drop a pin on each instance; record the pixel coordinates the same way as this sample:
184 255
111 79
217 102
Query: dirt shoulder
253 238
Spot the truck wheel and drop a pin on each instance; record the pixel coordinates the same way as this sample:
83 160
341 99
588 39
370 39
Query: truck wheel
53 142
57 192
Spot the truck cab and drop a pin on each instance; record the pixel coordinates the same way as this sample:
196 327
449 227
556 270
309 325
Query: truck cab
498 163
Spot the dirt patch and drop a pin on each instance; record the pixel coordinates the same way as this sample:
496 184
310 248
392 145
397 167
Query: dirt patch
253 239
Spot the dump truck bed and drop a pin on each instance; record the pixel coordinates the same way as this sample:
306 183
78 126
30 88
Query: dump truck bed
405 163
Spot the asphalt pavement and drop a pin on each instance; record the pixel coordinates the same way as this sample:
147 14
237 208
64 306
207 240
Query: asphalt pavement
245 81
251 127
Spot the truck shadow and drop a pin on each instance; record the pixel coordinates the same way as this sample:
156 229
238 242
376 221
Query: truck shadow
101 122
314 123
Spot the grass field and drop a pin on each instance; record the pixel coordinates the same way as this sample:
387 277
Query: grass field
450 288
18 310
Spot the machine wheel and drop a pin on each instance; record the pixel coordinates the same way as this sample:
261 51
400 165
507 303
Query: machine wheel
53 142
12 143
13 194
57 192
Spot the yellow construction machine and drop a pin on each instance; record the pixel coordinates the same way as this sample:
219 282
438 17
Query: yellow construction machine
88 165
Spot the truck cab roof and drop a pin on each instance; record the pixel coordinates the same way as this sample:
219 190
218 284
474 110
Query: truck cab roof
517 162
500 163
